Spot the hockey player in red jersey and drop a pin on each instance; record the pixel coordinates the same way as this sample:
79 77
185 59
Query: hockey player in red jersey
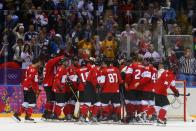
30 89
165 80
60 89
90 94
72 84
146 85
82 74
133 95
49 73
110 93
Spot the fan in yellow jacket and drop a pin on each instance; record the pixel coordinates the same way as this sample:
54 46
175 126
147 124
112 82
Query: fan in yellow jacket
85 47
109 47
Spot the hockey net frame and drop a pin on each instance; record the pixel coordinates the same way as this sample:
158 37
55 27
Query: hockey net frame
178 106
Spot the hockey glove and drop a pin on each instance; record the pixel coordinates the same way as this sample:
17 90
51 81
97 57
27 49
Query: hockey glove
176 94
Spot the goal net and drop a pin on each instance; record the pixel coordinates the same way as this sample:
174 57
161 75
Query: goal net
178 106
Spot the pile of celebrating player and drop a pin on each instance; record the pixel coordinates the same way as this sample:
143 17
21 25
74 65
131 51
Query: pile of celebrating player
99 90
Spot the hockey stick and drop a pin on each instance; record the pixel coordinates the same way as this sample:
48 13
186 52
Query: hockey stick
77 104
171 94
123 104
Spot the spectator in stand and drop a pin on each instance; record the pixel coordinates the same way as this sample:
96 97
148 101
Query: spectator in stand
127 10
97 45
109 22
26 56
99 7
61 5
143 31
2 5
27 4
76 36
151 53
18 48
35 47
19 31
85 8
179 4
101 30
48 5
109 46
56 44
149 14
11 21
41 18
187 67
85 47
31 33
127 37
168 15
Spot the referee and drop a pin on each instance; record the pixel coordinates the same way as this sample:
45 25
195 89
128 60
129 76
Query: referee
187 67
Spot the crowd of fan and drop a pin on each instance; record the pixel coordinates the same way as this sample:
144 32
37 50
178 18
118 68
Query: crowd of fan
87 28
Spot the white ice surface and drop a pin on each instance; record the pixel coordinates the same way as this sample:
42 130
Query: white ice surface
8 124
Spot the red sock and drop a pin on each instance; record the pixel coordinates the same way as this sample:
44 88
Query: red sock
84 110
72 107
21 110
57 110
29 111
68 109
151 110
162 114
111 109
95 110
130 109
143 108
138 108
106 111
49 106
118 111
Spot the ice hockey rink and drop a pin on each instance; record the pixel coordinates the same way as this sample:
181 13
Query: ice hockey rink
8 124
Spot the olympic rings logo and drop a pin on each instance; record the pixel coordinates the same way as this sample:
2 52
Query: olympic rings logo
12 76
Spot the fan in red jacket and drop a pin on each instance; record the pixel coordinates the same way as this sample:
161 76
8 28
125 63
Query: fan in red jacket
30 89
49 73
165 81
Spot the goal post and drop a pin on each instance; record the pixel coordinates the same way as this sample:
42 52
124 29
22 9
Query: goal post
178 106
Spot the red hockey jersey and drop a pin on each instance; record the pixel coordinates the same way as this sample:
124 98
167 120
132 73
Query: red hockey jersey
165 81
94 75
82 74
148 79
31 79
59 84
50 71
133 75
112 80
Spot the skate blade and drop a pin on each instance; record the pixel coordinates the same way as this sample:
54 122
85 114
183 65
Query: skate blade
28 121
15 119
162 125
141 123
